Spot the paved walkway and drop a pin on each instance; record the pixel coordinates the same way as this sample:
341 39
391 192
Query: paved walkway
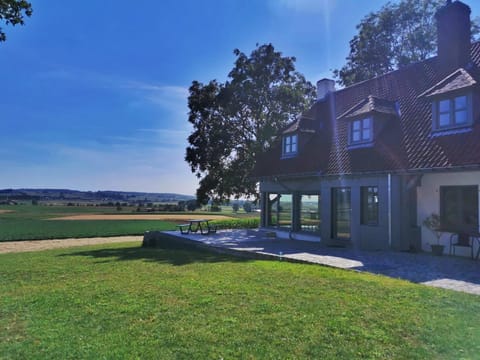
449 272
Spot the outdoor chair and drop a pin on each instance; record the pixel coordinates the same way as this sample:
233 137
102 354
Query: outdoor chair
462 240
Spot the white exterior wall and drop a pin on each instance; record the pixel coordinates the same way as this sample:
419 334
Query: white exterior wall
429 202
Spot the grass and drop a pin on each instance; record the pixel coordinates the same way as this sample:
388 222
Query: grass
58 229
122 301
28 222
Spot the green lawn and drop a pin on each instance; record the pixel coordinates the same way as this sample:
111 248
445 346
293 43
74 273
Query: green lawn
20 229
122 301
29 222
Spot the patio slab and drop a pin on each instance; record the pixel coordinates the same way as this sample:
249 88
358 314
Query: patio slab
449 272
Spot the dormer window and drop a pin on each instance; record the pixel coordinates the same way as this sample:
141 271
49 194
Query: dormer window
361 131
452 112
451 100
290 145
366 118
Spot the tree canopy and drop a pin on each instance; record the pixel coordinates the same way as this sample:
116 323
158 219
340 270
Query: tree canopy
235 121
397 35
13 12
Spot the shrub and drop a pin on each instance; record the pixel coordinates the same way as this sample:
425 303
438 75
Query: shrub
192 205
237 223
215 208
247 206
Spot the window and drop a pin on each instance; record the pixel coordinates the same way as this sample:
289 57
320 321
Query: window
361 131
369 205
310 219
272 209
459 207
341 213
285 211
279 210
451 113
290 145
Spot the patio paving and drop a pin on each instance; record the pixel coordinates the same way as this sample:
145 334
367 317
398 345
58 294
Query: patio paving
449 272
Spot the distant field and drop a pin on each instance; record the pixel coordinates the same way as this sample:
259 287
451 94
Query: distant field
164 217
40 229
28 222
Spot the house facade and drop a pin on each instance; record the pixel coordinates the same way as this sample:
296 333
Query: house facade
366 164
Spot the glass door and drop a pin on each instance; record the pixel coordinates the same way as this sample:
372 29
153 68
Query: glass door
341 213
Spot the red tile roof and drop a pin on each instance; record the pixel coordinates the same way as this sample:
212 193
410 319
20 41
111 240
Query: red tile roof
370 105
302 124
458 80
403 142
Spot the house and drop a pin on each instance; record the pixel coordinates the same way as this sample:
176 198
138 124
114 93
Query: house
366 164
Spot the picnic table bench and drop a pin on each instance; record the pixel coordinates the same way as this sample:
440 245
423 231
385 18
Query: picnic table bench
184 228
196 225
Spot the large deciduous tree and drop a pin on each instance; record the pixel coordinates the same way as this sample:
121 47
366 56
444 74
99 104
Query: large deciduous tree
235 121
398 34
13 12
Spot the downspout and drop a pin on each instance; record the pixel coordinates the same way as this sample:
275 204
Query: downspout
389 199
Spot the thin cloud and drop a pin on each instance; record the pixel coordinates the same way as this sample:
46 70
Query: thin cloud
150 137
113 169
304 6
172 98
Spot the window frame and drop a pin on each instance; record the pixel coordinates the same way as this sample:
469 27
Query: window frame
368 193
275 212
313 215
452 111
287 141
360 131
336 194
459 192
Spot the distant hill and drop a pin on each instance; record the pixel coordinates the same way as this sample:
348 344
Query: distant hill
66 195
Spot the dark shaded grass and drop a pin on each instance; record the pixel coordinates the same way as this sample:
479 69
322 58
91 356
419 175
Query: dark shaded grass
122 301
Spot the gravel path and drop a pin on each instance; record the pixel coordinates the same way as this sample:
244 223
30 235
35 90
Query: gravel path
38 245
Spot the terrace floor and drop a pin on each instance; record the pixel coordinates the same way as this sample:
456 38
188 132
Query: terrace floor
449 272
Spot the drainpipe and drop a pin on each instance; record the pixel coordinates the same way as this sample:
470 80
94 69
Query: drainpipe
389 196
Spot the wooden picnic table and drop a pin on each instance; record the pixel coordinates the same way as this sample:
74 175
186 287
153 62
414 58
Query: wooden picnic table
196 225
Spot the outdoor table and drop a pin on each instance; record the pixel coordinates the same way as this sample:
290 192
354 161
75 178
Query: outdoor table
195 225
199 224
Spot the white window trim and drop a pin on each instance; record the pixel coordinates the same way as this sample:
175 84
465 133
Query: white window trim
452 124
362 140
291 152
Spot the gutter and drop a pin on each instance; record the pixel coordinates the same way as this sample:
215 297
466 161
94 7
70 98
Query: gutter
275 177
472 167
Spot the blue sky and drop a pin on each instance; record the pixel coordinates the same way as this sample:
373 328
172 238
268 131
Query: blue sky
94 93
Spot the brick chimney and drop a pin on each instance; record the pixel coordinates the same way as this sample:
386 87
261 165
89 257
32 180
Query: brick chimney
453 35
324 87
